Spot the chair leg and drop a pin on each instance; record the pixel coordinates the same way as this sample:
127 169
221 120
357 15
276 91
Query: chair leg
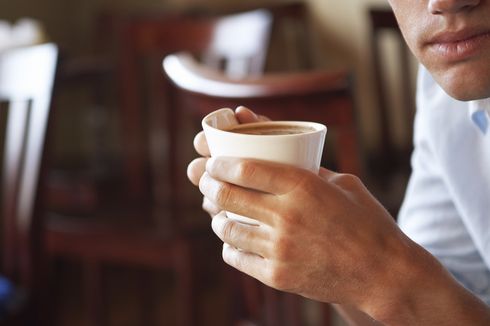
271 306
186 296
93 292
234 293
51 307
251 292
327 314
148 297
292 309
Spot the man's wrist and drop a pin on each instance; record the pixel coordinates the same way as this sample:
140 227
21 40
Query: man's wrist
415 289
404 285
393 289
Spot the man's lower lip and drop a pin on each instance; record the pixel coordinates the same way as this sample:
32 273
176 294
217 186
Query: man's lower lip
460 50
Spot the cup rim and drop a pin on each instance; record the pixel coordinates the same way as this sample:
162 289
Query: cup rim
228 114
318 127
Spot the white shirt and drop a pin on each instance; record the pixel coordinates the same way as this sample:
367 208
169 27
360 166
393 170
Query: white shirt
447 203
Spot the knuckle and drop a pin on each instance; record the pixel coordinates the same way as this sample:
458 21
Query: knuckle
282 248
223 195
304 183
205 205
352 181
288 220
336 178
277 277
228 256
229 231
209 207
245 170
231 257
345 180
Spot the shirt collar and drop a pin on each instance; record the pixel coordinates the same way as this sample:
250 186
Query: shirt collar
479 111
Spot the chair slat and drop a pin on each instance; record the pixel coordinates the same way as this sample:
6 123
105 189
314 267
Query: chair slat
26 80
14 153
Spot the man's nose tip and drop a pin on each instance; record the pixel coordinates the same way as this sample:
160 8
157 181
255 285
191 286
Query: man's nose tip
439 7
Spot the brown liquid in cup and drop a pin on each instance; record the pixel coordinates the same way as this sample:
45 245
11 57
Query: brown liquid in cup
273 130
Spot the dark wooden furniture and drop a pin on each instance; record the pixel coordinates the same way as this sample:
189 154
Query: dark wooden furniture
26 80
236 43
391 165
322 96
148 228
127 46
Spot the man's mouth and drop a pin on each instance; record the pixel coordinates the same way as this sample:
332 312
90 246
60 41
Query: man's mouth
459 45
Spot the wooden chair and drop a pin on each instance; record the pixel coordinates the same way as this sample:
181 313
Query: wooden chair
321 96
123 44
26 80
391 165
236 43
152 233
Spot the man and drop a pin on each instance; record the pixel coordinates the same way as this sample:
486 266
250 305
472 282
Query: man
326 238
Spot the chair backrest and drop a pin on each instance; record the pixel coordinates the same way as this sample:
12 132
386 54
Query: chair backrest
236 43
26 81
321 96
392 117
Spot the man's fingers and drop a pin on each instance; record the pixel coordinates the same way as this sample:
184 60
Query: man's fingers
249 238
254 204
201 144
246 262
325 173
245 115
273 178
196 169
210 207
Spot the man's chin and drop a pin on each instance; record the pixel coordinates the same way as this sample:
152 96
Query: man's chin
465 87
466 95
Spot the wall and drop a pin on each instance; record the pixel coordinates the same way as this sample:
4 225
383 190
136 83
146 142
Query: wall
344 39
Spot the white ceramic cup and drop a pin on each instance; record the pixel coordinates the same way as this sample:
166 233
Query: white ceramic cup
303 150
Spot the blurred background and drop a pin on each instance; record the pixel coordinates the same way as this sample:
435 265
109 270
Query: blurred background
124 239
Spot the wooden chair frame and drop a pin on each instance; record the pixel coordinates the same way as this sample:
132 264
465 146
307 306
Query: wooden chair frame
26 81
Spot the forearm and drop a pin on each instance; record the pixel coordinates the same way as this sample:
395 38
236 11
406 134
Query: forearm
420 291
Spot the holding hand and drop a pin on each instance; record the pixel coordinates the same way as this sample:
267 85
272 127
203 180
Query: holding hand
321 236
324 237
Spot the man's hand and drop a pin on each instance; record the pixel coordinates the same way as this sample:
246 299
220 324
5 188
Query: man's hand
325 237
